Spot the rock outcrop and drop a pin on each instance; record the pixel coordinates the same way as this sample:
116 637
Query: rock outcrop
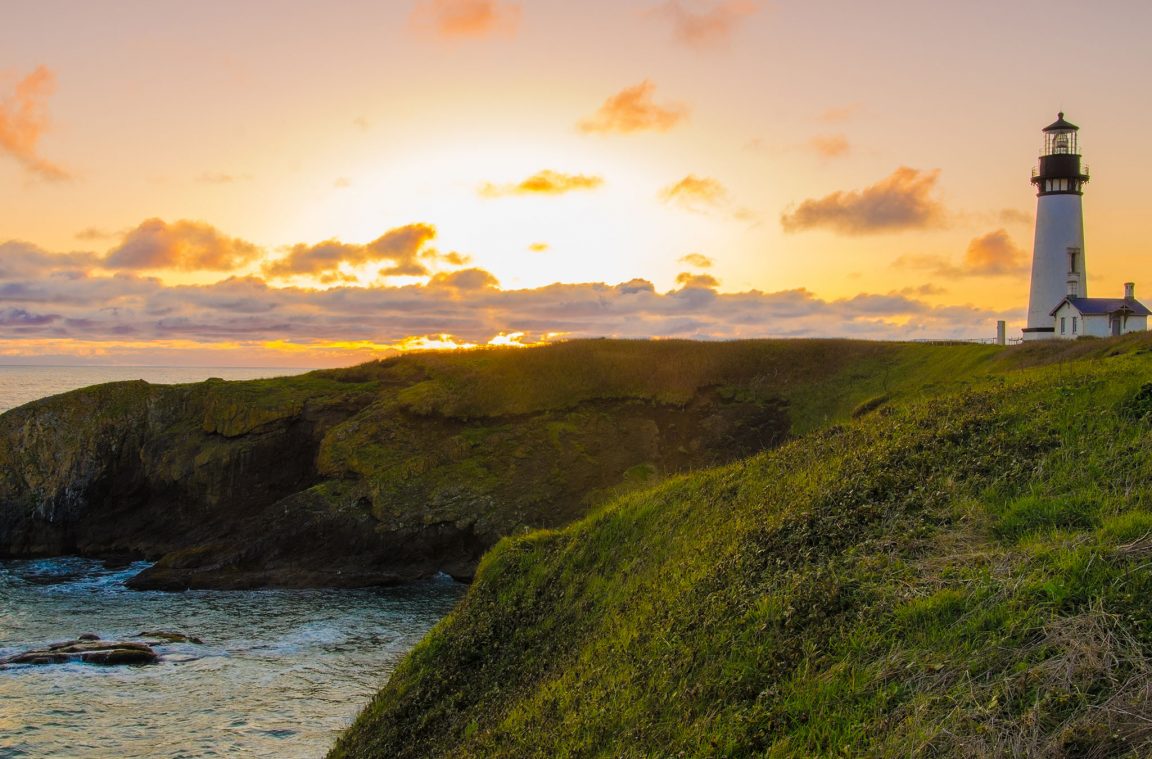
89 650
375 475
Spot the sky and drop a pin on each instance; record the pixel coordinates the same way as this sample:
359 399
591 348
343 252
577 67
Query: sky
293 183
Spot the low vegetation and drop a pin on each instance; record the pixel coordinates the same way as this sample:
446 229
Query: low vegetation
958 565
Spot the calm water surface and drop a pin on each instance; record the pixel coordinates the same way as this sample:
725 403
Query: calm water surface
20 384
280 673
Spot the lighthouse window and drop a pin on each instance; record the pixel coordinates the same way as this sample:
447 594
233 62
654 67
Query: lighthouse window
1063 325
1074 325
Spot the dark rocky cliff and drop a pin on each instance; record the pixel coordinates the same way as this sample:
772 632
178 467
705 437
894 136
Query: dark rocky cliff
368 476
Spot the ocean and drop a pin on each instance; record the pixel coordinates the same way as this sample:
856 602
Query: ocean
21 384
279 674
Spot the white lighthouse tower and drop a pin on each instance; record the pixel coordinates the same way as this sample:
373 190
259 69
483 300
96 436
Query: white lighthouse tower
1058 253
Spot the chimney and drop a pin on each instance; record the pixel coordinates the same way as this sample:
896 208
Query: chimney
1129 290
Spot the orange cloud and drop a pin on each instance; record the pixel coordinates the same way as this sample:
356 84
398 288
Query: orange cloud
187 245
452 259
466 279
830 145
995 253
690 281
545 182
990 255
457 19
400 248
633 110
698 260
898 202
24 120
708 28
696 193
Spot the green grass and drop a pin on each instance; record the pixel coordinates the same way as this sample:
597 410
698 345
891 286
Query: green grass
961 570
822 380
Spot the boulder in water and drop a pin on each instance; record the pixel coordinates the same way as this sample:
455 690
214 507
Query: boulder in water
119 656
87 650
169 636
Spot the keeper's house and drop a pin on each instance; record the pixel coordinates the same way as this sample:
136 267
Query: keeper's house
1100 317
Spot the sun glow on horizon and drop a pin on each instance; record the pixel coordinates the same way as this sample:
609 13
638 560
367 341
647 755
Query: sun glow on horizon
607 172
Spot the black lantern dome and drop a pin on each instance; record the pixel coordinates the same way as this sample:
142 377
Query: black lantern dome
1060 171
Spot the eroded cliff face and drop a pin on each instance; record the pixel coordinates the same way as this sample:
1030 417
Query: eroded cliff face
331 480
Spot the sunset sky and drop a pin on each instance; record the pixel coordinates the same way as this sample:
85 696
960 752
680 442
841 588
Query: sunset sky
295 183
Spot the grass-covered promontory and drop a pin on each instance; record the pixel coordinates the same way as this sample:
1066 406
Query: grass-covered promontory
960 571
400 468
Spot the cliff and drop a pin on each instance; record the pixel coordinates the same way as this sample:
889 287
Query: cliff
961 571
398 469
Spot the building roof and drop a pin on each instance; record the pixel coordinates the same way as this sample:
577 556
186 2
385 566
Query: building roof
1060 125
1104 306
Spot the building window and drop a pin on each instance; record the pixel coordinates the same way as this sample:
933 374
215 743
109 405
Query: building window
1074 325
1063 325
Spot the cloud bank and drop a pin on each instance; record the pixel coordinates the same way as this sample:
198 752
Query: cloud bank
75 300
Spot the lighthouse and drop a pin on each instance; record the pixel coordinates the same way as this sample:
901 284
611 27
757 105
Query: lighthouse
1058 251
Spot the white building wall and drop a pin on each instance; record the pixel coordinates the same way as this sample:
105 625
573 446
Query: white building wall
1066 312
1135 324
1097 325
1059 226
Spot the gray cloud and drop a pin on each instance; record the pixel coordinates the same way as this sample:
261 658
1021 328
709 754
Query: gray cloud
400 248
188 245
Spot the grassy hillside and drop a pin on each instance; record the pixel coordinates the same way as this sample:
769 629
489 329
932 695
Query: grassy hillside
953 573
822 380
